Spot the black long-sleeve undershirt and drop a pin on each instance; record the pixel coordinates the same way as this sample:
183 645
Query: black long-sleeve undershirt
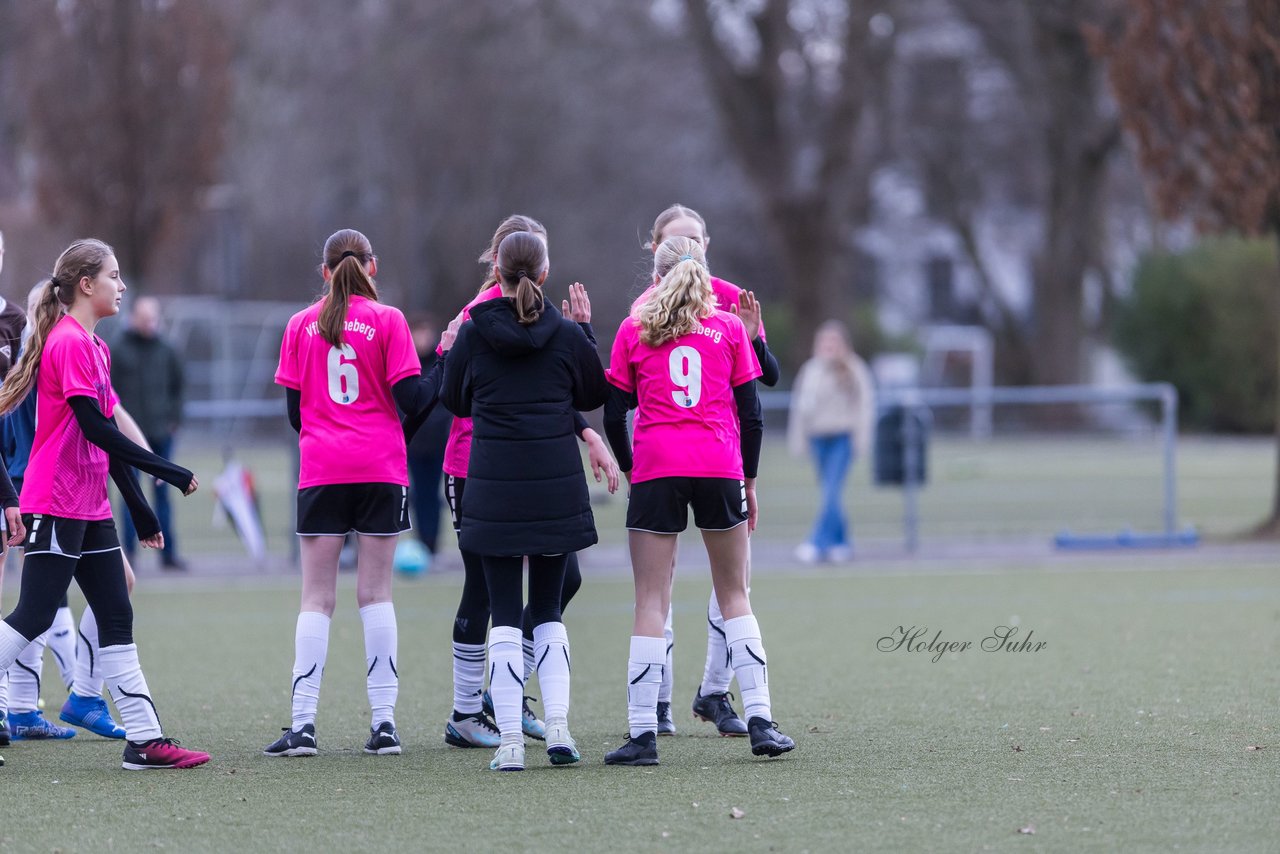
144 518
8 495
101 431
416 396
771 372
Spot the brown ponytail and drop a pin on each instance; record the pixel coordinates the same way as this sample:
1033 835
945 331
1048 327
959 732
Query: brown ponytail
347 254
522 259
509 226
81 259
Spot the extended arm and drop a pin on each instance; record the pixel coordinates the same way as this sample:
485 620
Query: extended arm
615 425
417 396
144 518
104 433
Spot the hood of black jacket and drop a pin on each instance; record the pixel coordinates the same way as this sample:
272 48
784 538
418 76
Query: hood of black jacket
496 323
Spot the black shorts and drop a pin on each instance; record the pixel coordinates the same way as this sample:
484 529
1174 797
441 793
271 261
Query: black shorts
58 535
661 506
453 487
337 509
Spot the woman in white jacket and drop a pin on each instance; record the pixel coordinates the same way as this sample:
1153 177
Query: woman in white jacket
832 412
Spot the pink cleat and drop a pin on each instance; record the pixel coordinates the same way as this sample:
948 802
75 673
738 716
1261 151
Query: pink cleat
160 753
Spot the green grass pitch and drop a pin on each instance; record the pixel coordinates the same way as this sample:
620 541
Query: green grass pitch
1147 723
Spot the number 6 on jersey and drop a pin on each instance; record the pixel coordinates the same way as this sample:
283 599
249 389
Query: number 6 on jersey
686 372
344 382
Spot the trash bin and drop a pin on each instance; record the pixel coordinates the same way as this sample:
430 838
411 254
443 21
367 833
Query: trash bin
894 435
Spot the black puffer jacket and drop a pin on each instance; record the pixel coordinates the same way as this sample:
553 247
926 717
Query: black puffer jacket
526 491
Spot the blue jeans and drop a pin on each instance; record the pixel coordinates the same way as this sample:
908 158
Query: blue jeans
163 447
832 456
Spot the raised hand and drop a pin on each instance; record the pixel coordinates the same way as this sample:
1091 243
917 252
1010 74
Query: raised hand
578 306
748 308
450 333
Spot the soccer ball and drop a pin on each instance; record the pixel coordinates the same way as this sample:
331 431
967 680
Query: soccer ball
412 558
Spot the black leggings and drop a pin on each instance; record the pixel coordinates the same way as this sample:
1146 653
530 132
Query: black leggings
45 580
504 576
472 621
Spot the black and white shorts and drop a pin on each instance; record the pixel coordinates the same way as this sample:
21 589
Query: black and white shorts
661 506
58 535
337 509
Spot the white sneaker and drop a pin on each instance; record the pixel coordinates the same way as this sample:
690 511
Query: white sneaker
808 553
510 757
560 745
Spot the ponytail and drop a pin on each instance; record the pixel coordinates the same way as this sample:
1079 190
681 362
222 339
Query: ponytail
509 226
522 258
347 254
22 376
682 298
82 259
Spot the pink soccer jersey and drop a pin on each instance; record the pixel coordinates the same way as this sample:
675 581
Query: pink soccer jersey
726 294
67 475
686 422
457 453
350 428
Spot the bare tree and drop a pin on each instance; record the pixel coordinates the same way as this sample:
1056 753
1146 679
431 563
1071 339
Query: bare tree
1042 46
1198 83
795 84
123 111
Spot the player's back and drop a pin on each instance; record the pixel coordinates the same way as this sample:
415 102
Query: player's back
350 426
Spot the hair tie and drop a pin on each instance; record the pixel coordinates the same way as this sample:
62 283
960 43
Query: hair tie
686 257
522 274
348 253
53 280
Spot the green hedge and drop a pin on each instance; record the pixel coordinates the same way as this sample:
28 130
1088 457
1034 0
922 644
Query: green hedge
1205 320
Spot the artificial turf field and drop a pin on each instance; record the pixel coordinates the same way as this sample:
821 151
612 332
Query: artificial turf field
1147 723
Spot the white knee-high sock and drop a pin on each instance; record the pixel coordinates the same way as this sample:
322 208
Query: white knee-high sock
25 675
380 641
746 650
62 643
551 651
468 677
128 687
310 649
526 646
87 681
717 672
668 670
12 643
644 676
505 682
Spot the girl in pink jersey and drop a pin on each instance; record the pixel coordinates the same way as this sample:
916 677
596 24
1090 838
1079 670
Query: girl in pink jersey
347 362
712 700
64 492
690 370
471 722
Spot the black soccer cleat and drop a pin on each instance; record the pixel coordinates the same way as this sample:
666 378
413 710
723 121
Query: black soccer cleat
666 726
383 740
290 743
767 740
716 709
641 750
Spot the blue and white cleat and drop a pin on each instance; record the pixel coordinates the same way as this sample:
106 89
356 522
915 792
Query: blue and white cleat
90 713
32 726
529 723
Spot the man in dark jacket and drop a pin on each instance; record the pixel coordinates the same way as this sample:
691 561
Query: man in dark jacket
147 375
